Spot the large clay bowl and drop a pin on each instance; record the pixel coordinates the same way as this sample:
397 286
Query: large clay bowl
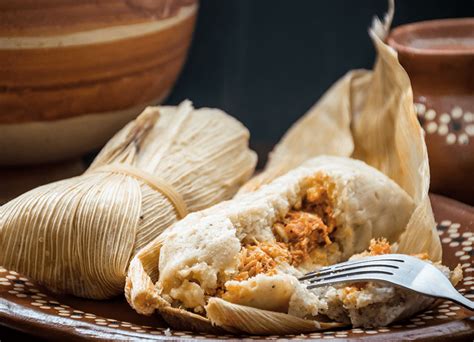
74 72
438 56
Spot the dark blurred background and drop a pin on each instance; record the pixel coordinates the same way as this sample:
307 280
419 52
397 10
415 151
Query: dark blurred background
266 62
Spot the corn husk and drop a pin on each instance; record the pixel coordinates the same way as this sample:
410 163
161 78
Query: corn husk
368 115
78 235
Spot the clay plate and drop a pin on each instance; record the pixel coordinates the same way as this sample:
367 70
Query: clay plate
30 308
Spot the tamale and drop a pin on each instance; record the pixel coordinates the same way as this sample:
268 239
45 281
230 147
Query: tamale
78 235
235 265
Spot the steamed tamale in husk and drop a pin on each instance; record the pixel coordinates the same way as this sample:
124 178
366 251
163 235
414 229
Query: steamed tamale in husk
78 235
234 266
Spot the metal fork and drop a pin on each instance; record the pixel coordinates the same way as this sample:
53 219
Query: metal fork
398 269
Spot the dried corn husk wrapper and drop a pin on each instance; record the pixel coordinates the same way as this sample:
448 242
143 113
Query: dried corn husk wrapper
78 235
367 115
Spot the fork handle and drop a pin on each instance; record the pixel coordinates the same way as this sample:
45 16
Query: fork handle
461 300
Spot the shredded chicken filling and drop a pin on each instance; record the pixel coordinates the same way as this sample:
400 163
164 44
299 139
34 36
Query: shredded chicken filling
309 225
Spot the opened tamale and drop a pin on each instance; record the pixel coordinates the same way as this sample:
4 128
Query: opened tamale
303 211
78 235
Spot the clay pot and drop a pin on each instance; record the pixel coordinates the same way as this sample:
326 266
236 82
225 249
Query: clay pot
74 72
438 56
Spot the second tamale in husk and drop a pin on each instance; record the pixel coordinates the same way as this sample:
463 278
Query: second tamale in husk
78 235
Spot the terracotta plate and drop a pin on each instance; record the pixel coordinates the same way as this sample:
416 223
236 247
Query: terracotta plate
30 308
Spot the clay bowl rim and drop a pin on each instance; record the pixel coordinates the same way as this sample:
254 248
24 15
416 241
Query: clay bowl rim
397 38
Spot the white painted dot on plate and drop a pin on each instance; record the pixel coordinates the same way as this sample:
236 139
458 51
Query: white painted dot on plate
142 331
430 114
21 295
65 314
453 225
470 130
454 235
456 112
79 311
444 118
135 328
382 330
467 234
463 139
471 238
443 129
13 292
357 331
467 249
23 279
101 323
100 320
467 243
13 273
36 297
328 337
36 304
42 295
454 244
442 316
45 307
451 138
465 257
455 308
451 314
443 310
3 279
459 253
10 277
446 240
2 269
76 316
468 278
468 282
160 333
431 127
35 291
5 283
339 335
468 117
114 325
18 285
428 317
420 323
410 326
41 301
420 108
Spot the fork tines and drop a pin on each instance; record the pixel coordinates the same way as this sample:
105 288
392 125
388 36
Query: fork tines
373 268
